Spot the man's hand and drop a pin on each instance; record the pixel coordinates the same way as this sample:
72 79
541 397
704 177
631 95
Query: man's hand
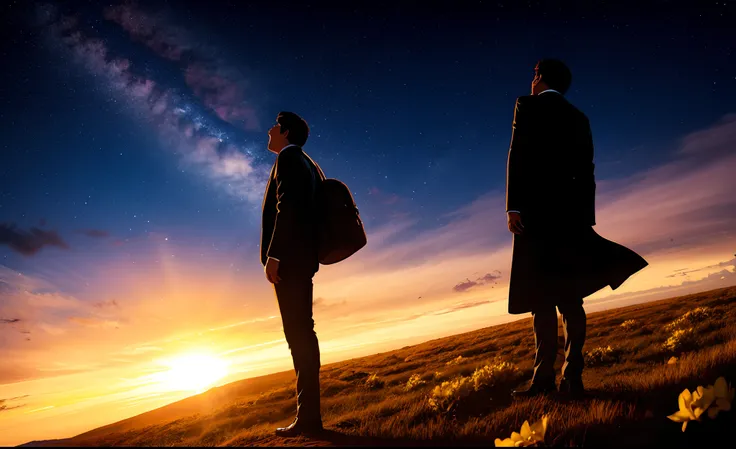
272 271
515 225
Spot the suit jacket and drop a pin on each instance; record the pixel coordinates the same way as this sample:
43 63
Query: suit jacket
289 217
550 163
550 181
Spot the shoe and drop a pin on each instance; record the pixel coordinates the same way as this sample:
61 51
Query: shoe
300 427
535 389
572 387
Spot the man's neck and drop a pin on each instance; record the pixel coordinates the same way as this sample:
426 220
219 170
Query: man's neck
288 145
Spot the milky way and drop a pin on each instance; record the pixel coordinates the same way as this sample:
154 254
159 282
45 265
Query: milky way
181 119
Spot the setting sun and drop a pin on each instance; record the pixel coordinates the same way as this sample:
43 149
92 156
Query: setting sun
192 372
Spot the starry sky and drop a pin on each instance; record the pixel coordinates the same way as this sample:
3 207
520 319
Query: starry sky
134 160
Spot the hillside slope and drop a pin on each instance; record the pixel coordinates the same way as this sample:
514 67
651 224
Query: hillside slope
372 401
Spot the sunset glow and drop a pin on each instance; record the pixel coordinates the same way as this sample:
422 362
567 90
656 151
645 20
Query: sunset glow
191 372
134 163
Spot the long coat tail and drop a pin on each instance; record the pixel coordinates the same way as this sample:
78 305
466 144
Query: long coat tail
554 267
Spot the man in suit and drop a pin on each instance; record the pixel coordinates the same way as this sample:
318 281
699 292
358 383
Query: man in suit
558 258
289 255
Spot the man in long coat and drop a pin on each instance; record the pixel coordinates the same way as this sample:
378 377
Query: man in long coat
558 258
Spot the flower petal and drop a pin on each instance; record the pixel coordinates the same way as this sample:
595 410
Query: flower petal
679 416
526 431
723 404
713 412
508 442
709 395
721 387
685 399
538 429
545 420
684 425
697 411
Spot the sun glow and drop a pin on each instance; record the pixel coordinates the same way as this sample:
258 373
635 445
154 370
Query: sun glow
192 372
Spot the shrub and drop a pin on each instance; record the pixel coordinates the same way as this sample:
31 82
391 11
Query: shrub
447 394
444 396
414 381
690 318
373 382
601 356
496 374
679 340
456 361
629 325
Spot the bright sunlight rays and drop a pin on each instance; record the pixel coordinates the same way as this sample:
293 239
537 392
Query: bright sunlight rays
191 372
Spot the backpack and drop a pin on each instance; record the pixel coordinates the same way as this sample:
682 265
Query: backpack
340 230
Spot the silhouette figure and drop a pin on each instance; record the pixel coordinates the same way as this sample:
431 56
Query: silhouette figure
558 258
289 253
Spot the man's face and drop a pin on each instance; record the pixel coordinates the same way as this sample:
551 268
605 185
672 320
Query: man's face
276 140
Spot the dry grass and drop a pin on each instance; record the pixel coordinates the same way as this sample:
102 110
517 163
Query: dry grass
386 399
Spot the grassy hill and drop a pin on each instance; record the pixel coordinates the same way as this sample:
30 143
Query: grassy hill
384 399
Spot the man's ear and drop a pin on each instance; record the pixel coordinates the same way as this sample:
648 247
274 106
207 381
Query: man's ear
286 134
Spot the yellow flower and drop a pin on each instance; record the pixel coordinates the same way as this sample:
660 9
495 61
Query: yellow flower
723 397
414 381
515 441
445 395
530 435
692 406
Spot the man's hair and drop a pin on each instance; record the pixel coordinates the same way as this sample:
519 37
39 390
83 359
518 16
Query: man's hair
555 74
297 127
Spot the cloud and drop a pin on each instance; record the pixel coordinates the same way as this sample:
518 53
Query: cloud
490 277
714 280
713 142
201 145
464 286
383 197
95 233
219 86
5 407
40 307
30 242
105 304
684 272
94 322
684 203
468 284
462 306
322 304
140 350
